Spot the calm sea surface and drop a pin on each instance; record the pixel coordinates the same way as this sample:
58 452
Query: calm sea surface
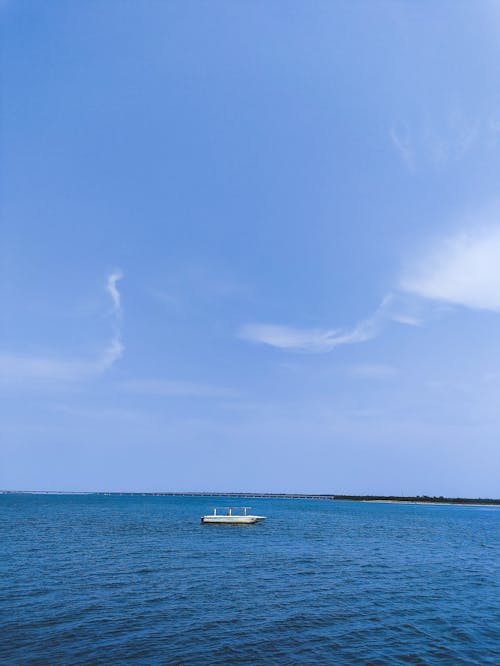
138 580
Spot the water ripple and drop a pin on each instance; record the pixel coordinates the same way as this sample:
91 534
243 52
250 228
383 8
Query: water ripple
137 580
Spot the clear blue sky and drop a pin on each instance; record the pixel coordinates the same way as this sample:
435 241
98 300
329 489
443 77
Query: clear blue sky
250 246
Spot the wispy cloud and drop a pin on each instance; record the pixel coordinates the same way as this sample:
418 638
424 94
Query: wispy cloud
112 289
445 140
303 339
112 353
406 319
115 349
15 367
173 388
402 143
463 269
314 340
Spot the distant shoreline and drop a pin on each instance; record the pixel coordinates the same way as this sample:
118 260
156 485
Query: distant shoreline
380 499
420 502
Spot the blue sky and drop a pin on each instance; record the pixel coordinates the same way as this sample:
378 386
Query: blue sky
250 246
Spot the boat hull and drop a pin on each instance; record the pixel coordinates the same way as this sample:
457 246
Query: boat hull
231 520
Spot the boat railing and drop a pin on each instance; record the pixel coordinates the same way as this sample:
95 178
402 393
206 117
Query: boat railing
229 509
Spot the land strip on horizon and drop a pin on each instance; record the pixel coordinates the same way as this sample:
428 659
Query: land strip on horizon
398 499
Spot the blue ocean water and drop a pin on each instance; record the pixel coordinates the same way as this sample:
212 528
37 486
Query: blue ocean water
90 579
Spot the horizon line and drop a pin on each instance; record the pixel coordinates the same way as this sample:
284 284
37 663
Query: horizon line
262 495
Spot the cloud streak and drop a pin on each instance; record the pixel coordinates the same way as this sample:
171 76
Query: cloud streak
315 340
463 269
112 289
393 308
447 140
15 367
403 145
115 349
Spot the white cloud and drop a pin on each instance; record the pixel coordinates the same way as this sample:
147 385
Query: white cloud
403 146
314 340
111 354
394 307
406 319
19 367
463 269
304 339
15 367
115 349
451 136
112 289
173 388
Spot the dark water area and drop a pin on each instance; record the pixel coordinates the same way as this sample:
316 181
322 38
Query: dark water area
138 580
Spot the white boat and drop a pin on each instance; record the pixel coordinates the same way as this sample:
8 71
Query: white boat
231 519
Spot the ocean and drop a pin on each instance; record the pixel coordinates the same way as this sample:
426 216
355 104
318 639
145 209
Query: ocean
130 579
